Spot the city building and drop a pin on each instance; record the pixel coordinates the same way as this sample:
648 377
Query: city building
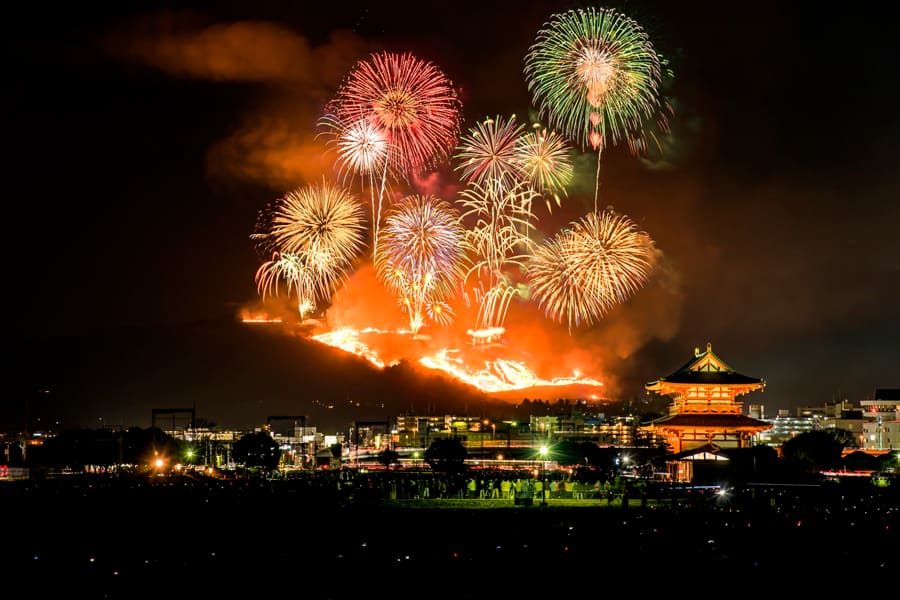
786 425
881 420
830 416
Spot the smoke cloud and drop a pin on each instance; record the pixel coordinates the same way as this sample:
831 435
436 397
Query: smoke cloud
250 51
276 142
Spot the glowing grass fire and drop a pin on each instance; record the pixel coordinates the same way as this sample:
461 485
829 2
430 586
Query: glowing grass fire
491 375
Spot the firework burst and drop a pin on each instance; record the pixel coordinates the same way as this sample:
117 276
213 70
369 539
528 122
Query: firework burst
421 257
544 161
595 74
318 220
487 153
362 150
319 232
554 284
300 278
599 261
410 102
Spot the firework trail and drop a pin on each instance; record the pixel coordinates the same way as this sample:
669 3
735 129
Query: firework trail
318 231
505 168
578 275
421 258
409 104
499 217
299 275
596 75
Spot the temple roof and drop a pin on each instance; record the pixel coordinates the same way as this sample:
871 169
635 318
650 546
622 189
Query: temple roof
706 368
727 420
707 448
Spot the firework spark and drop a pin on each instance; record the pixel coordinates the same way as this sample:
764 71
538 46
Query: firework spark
362 150
421 256
321 219
487 154
578 275
544 160
319 230
596 75
498 237
410 102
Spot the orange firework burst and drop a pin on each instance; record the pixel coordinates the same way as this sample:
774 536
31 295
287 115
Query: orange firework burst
582 272
319 231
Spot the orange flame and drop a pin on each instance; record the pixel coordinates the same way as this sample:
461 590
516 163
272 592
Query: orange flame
258 317
493 375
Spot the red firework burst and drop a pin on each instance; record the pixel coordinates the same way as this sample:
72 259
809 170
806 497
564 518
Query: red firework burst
410 101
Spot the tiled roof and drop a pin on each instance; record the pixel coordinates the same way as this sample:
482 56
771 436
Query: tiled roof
710 420
708 369
708 377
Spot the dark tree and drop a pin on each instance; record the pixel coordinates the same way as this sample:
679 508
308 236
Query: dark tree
141 446
567 453
861 461
388 457
446 455
77 448
745 464
257 450
815 450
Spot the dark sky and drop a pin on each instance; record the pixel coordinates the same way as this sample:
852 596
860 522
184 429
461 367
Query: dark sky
143 140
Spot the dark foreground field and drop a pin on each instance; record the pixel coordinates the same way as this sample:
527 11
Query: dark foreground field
178 537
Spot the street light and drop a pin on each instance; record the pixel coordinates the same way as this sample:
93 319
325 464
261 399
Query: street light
509 427
543 452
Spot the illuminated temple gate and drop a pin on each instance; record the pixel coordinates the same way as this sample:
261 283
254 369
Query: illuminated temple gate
704 413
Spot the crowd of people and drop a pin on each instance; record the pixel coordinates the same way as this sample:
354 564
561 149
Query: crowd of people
104 534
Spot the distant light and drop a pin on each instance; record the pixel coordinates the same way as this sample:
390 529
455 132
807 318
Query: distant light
544 450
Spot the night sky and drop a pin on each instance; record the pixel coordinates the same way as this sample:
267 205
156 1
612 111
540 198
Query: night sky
144 138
